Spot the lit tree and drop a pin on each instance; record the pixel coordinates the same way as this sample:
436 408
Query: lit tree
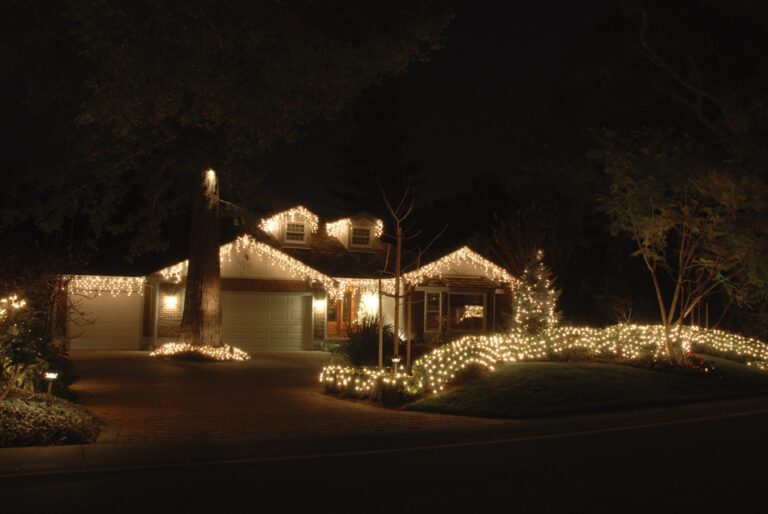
698 228
535 299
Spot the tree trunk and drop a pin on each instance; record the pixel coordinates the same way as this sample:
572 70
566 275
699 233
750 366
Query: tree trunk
398 256
380 320
201 320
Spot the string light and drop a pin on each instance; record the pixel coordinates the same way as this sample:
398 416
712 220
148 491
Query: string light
273 223
434 371
11 303
222 353
109 284
535 300
462 256
470 311
340 228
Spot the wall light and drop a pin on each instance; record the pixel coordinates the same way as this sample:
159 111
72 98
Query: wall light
370 303
319 304
170 302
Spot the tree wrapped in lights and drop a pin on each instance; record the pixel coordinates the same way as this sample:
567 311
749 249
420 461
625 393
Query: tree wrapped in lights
535 298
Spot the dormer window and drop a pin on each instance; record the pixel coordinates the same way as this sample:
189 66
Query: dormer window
295 232
361 236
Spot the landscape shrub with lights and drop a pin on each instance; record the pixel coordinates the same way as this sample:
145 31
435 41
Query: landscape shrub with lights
27 349
623 343
184 351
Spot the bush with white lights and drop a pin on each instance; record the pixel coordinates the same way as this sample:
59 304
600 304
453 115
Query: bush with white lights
221 353
623 342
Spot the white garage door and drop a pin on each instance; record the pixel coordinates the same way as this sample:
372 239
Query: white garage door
107 322
263 321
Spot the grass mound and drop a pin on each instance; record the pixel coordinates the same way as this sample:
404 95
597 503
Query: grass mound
531 389
45 420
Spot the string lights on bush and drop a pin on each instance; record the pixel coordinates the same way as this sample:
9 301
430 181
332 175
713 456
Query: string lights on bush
624 342
11 303
86 284
221 353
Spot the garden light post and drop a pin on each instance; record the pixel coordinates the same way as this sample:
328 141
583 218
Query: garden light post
395 361
50 377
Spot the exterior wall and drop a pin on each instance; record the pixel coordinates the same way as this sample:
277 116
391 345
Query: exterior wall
168 316
244 265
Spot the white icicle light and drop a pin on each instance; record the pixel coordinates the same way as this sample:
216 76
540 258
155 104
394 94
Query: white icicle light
84 284
273 223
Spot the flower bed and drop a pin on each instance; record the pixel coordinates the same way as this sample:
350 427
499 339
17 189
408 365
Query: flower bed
45 420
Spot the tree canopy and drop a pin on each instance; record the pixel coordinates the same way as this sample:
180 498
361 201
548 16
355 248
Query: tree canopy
132 100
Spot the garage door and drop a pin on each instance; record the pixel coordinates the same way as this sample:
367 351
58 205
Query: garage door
258 321
107 322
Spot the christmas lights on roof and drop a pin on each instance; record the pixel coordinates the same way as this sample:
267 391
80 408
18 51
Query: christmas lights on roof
84 284
295 214
453 260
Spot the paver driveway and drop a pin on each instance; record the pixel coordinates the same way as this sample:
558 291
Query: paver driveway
144 399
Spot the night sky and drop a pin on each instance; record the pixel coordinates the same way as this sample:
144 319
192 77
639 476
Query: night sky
463 111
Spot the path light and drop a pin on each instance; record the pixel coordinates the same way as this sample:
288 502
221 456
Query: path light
50 376
395 361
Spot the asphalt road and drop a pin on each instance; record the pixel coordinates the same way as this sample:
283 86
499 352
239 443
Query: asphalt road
708 466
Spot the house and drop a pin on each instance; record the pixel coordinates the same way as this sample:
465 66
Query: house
291 283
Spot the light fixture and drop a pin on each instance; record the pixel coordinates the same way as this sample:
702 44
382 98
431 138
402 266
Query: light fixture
319 304
171 302
50 376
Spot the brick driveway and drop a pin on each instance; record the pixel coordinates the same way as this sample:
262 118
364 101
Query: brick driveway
275 394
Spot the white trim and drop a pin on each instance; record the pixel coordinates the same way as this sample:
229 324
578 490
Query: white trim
439 312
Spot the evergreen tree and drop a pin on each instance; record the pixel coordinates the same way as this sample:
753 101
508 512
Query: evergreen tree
535 300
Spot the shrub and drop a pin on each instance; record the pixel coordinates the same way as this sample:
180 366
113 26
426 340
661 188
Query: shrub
362 347
45 420
26 347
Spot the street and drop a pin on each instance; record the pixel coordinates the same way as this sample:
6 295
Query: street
701 466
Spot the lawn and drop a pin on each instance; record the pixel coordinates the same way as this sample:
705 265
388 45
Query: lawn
531 389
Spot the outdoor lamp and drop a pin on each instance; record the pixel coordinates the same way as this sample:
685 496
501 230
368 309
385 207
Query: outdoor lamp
50 376
395 361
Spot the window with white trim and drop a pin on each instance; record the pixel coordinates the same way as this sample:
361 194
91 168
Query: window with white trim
361 236
295 232
432 308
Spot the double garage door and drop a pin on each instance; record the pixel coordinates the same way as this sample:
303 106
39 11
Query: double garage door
264 321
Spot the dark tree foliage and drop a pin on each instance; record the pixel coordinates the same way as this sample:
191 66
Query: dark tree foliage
375 155
132 100
693 69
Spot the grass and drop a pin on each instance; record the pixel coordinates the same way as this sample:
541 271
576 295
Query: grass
42 419
532 389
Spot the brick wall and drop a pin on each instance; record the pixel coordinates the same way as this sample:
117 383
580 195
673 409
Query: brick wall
318 323
169 319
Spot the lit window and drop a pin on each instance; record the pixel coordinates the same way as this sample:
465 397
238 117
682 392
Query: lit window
467 311
294 232
361 237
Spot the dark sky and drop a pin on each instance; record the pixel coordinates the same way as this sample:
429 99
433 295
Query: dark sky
464 110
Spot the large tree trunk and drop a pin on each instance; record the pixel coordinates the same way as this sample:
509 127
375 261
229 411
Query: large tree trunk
201 321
